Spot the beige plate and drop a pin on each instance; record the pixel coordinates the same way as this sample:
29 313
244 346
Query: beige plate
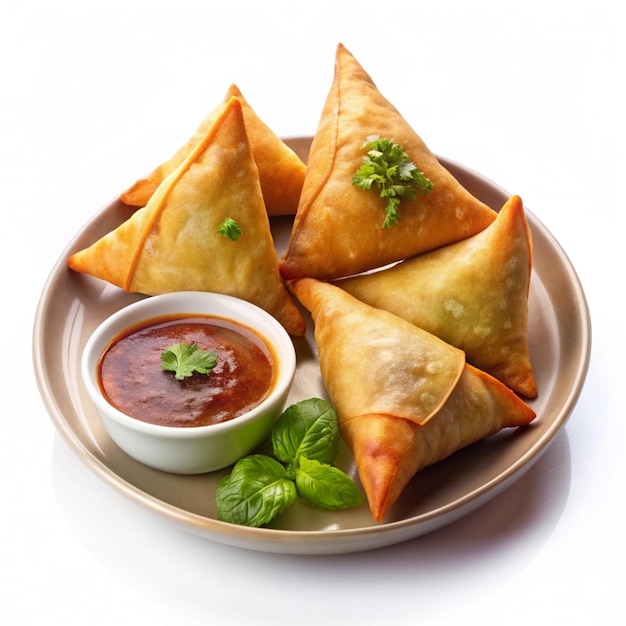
72 305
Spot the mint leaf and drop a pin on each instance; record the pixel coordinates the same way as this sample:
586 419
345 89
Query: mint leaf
230 229
184 359
308 428
255 491
388 168
325 486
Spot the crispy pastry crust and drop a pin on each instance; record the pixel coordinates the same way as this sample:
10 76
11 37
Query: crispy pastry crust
472 294
338 227
399 406
173 244
281 171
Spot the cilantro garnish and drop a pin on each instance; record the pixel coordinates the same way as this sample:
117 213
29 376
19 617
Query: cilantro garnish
230 229
387 167
184 359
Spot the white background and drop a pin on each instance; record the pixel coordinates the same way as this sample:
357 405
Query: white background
530 94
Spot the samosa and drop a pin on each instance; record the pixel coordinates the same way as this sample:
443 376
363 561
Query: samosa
404 398
281 171
472 294
339 227
179 242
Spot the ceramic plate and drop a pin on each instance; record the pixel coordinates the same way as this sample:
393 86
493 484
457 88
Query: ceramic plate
72 305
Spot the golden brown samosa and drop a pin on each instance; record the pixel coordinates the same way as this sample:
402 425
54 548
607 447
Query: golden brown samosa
338 226
173 243
399 406
281 171
472 294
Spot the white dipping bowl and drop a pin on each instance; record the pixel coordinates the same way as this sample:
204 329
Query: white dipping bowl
199 449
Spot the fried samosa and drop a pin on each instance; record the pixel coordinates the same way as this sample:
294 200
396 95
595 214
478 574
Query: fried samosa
472 294
281 171
338 226
404 400
174 243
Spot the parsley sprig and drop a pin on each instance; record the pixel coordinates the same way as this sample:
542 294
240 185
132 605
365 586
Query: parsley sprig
184 359
388 168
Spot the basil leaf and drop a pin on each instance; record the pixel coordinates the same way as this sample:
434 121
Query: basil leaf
308 428
325 486
255 492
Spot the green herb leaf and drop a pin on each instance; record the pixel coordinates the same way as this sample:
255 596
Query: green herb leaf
325 486
260 487
308 428
255 492
388 168
230 229
184 359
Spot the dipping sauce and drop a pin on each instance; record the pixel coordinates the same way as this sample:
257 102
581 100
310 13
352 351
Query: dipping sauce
134 382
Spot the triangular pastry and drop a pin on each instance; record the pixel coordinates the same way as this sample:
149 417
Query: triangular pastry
173 244
281 171
399 407
472 294
337 230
